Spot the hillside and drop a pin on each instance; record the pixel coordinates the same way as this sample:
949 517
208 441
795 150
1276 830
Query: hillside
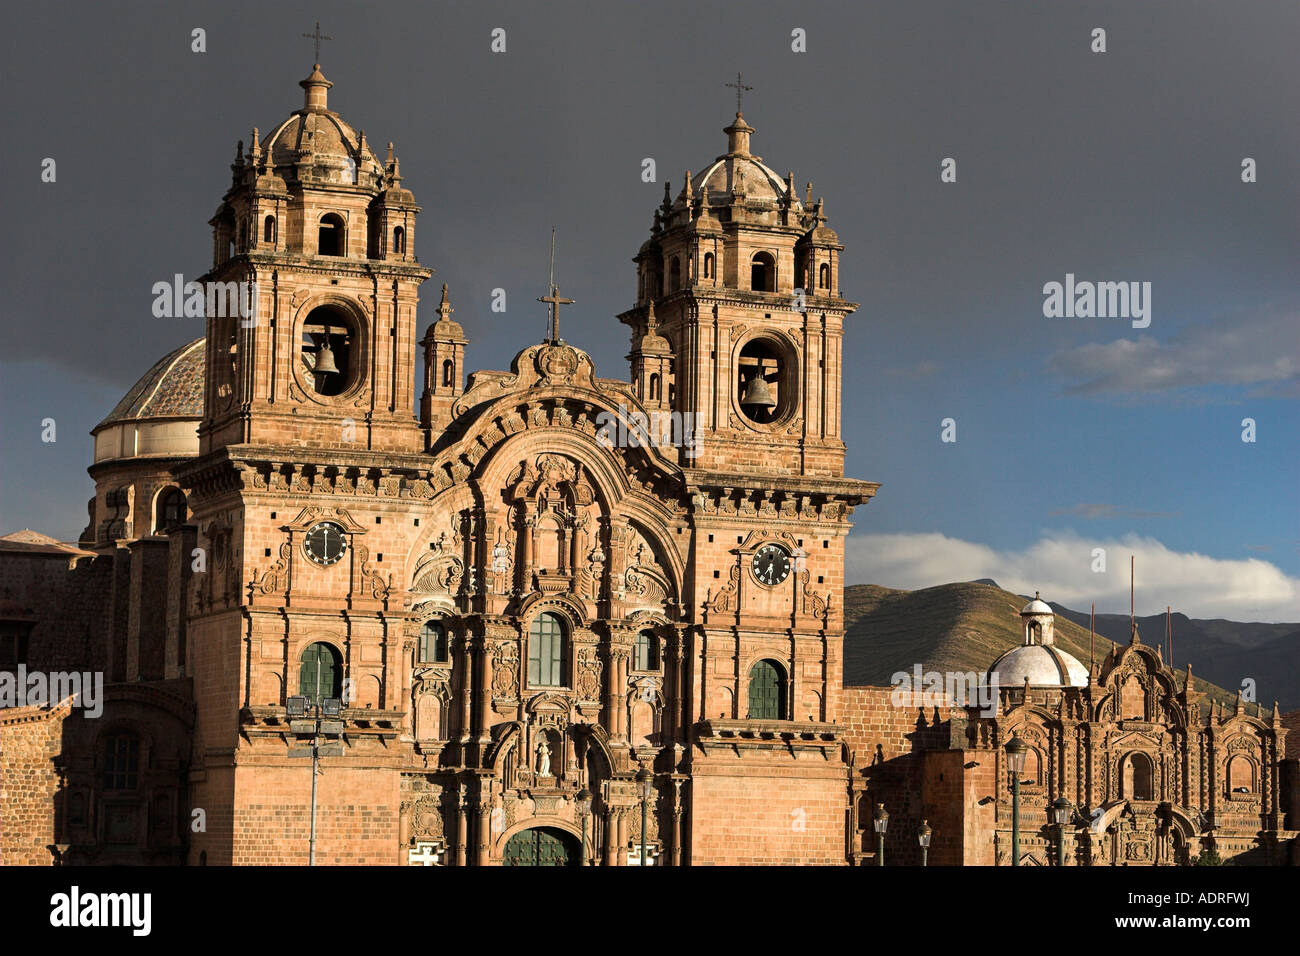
953 627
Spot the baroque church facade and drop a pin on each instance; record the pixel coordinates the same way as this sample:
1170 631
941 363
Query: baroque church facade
524 620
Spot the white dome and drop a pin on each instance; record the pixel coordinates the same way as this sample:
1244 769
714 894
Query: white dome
1046 665
1037 606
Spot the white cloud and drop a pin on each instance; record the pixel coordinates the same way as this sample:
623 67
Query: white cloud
1060 566
1251 349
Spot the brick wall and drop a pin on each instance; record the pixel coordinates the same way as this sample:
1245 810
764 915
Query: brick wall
30 740
767 809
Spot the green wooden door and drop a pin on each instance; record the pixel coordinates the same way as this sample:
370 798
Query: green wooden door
766 693
542 846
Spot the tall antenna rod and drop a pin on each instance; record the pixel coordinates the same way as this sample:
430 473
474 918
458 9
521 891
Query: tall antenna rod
1132 623
1091 618
1169 631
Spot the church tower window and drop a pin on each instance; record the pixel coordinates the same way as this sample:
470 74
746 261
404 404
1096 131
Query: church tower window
646 656
766 691
321 674
399 240
546 640
824 276
268 230
708 265
763 272
333 235
433 643
328 350
762 387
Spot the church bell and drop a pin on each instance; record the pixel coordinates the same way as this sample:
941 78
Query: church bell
757 393
325 358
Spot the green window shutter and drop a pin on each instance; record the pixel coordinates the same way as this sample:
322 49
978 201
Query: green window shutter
319 675
766 692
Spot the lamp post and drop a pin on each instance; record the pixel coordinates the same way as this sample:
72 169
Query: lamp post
584 811
645 781
1015 766
881 819
315 727
1061 811
923 838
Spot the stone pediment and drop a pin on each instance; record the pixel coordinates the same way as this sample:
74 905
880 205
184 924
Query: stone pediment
537 366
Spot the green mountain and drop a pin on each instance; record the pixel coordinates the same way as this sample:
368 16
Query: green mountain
955 627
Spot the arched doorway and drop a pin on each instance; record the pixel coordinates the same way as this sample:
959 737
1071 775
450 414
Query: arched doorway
541 846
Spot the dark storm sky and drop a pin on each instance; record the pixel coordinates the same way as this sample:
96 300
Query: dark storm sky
1116 166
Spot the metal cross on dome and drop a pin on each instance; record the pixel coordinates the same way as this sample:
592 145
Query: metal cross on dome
740 88
317 36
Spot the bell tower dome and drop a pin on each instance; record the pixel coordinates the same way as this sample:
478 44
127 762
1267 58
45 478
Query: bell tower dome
740 277
315 241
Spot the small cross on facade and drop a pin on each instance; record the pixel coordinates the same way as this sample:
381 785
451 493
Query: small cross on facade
555 300
317 36
741 89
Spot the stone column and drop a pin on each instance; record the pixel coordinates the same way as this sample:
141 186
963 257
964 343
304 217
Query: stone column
462 828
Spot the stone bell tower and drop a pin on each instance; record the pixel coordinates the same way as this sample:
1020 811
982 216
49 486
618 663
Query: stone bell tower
741 277
317 240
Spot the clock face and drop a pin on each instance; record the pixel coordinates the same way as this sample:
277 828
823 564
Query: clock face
771 564
325 543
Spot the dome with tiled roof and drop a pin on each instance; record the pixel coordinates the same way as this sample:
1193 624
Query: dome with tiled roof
159 414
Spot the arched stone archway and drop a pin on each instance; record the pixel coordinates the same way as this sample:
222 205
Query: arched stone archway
541 846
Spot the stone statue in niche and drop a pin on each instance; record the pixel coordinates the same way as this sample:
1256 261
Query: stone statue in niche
543 756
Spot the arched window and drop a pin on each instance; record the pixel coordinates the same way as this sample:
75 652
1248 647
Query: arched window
766 691
708 265
654 387
268 229
1241 775
448 371
1138 777
171 510
433 643
1133 700
121 762
321 674
674 275
763 272
824 276
399 240
333 235
546 651
646 657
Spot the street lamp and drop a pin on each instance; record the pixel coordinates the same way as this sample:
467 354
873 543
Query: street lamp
584 812
882 824
645 781
1016 749
1061 811
923 838
315 726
